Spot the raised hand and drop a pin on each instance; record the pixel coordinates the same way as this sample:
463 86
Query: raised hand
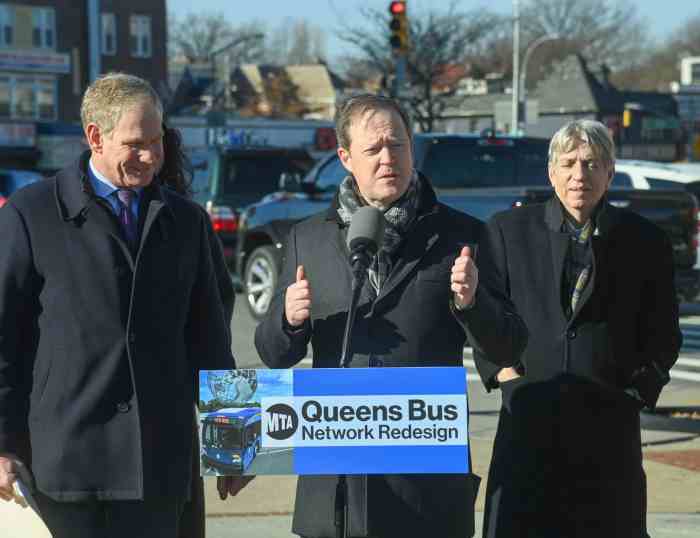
297 300
7 477
464 279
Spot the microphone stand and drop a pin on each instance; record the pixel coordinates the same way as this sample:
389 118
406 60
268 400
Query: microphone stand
359 262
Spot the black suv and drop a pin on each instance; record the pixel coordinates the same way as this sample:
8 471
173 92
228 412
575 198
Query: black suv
450 161
229 178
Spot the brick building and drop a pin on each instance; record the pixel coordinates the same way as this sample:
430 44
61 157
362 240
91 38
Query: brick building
47 59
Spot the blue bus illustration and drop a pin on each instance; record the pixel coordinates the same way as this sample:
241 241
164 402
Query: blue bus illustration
231 439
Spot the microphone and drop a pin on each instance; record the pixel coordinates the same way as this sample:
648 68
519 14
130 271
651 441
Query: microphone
365 236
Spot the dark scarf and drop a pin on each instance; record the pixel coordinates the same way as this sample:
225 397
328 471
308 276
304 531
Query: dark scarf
399 218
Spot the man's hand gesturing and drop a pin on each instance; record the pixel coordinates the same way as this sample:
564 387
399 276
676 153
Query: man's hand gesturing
7 477
465 279
297 300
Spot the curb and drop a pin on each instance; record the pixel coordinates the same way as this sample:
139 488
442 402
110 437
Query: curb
661 420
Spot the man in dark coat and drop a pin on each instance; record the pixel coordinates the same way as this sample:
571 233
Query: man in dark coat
422 293
111 298
595 287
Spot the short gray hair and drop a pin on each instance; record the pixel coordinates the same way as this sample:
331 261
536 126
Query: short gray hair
109 96
578 132
356 106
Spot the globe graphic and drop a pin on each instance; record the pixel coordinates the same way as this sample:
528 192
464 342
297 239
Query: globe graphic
232 387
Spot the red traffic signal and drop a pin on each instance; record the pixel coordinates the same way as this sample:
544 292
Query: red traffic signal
398 26
397 8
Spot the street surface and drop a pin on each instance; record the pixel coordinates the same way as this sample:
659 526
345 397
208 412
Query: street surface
263 509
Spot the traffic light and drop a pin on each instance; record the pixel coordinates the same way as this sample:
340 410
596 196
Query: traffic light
398 26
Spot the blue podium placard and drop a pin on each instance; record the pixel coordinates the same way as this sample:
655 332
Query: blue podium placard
334 421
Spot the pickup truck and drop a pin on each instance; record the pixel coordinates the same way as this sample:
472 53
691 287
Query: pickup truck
479 175
227 178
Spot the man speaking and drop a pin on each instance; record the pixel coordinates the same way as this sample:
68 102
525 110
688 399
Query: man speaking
422 295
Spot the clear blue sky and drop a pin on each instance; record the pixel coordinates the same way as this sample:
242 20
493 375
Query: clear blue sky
663 15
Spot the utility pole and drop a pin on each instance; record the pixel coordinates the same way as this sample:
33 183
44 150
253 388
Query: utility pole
95 45
515 116
227 61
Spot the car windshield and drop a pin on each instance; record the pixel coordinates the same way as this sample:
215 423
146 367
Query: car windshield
260 174
11 180
476 163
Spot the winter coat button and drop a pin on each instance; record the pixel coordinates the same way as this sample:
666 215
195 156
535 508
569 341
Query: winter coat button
571 334
123 407
132 337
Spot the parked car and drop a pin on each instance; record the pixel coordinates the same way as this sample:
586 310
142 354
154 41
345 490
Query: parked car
11 180
479 175
653 175
229 178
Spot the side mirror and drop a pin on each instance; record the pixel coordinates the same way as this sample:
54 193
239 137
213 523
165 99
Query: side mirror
289 182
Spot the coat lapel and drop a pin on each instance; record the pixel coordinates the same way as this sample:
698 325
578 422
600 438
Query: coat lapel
423 238
558 243
152 209
102 217
78 204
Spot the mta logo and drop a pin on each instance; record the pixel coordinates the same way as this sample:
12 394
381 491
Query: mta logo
282 421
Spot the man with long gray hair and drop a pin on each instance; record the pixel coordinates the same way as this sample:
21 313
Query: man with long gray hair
109 304
594 285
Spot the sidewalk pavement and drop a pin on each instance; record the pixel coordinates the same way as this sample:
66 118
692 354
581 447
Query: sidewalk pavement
264 508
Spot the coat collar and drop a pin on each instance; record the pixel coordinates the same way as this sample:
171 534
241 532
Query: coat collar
74 192
605 216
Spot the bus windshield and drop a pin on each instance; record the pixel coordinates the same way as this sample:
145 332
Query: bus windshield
223 437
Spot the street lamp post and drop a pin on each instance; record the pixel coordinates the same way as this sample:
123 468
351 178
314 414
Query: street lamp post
523 73
516 60
226 48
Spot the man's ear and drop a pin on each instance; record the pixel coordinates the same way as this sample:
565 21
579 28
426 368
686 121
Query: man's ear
345 159
94 137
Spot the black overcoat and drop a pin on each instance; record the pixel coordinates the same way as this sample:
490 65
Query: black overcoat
410 323
567 456
99 347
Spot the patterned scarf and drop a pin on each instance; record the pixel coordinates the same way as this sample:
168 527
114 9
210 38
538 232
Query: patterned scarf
399 218
579 260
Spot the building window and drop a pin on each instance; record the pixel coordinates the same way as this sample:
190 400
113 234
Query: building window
7 23
109 34
43 28
695 73
24 98
46 99
140 36
28 98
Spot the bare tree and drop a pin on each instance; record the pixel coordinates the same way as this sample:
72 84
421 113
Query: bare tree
198 36
604 31
661 65
686 41
439 40
296 42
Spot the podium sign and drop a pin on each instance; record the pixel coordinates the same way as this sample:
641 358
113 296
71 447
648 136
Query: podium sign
334 421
